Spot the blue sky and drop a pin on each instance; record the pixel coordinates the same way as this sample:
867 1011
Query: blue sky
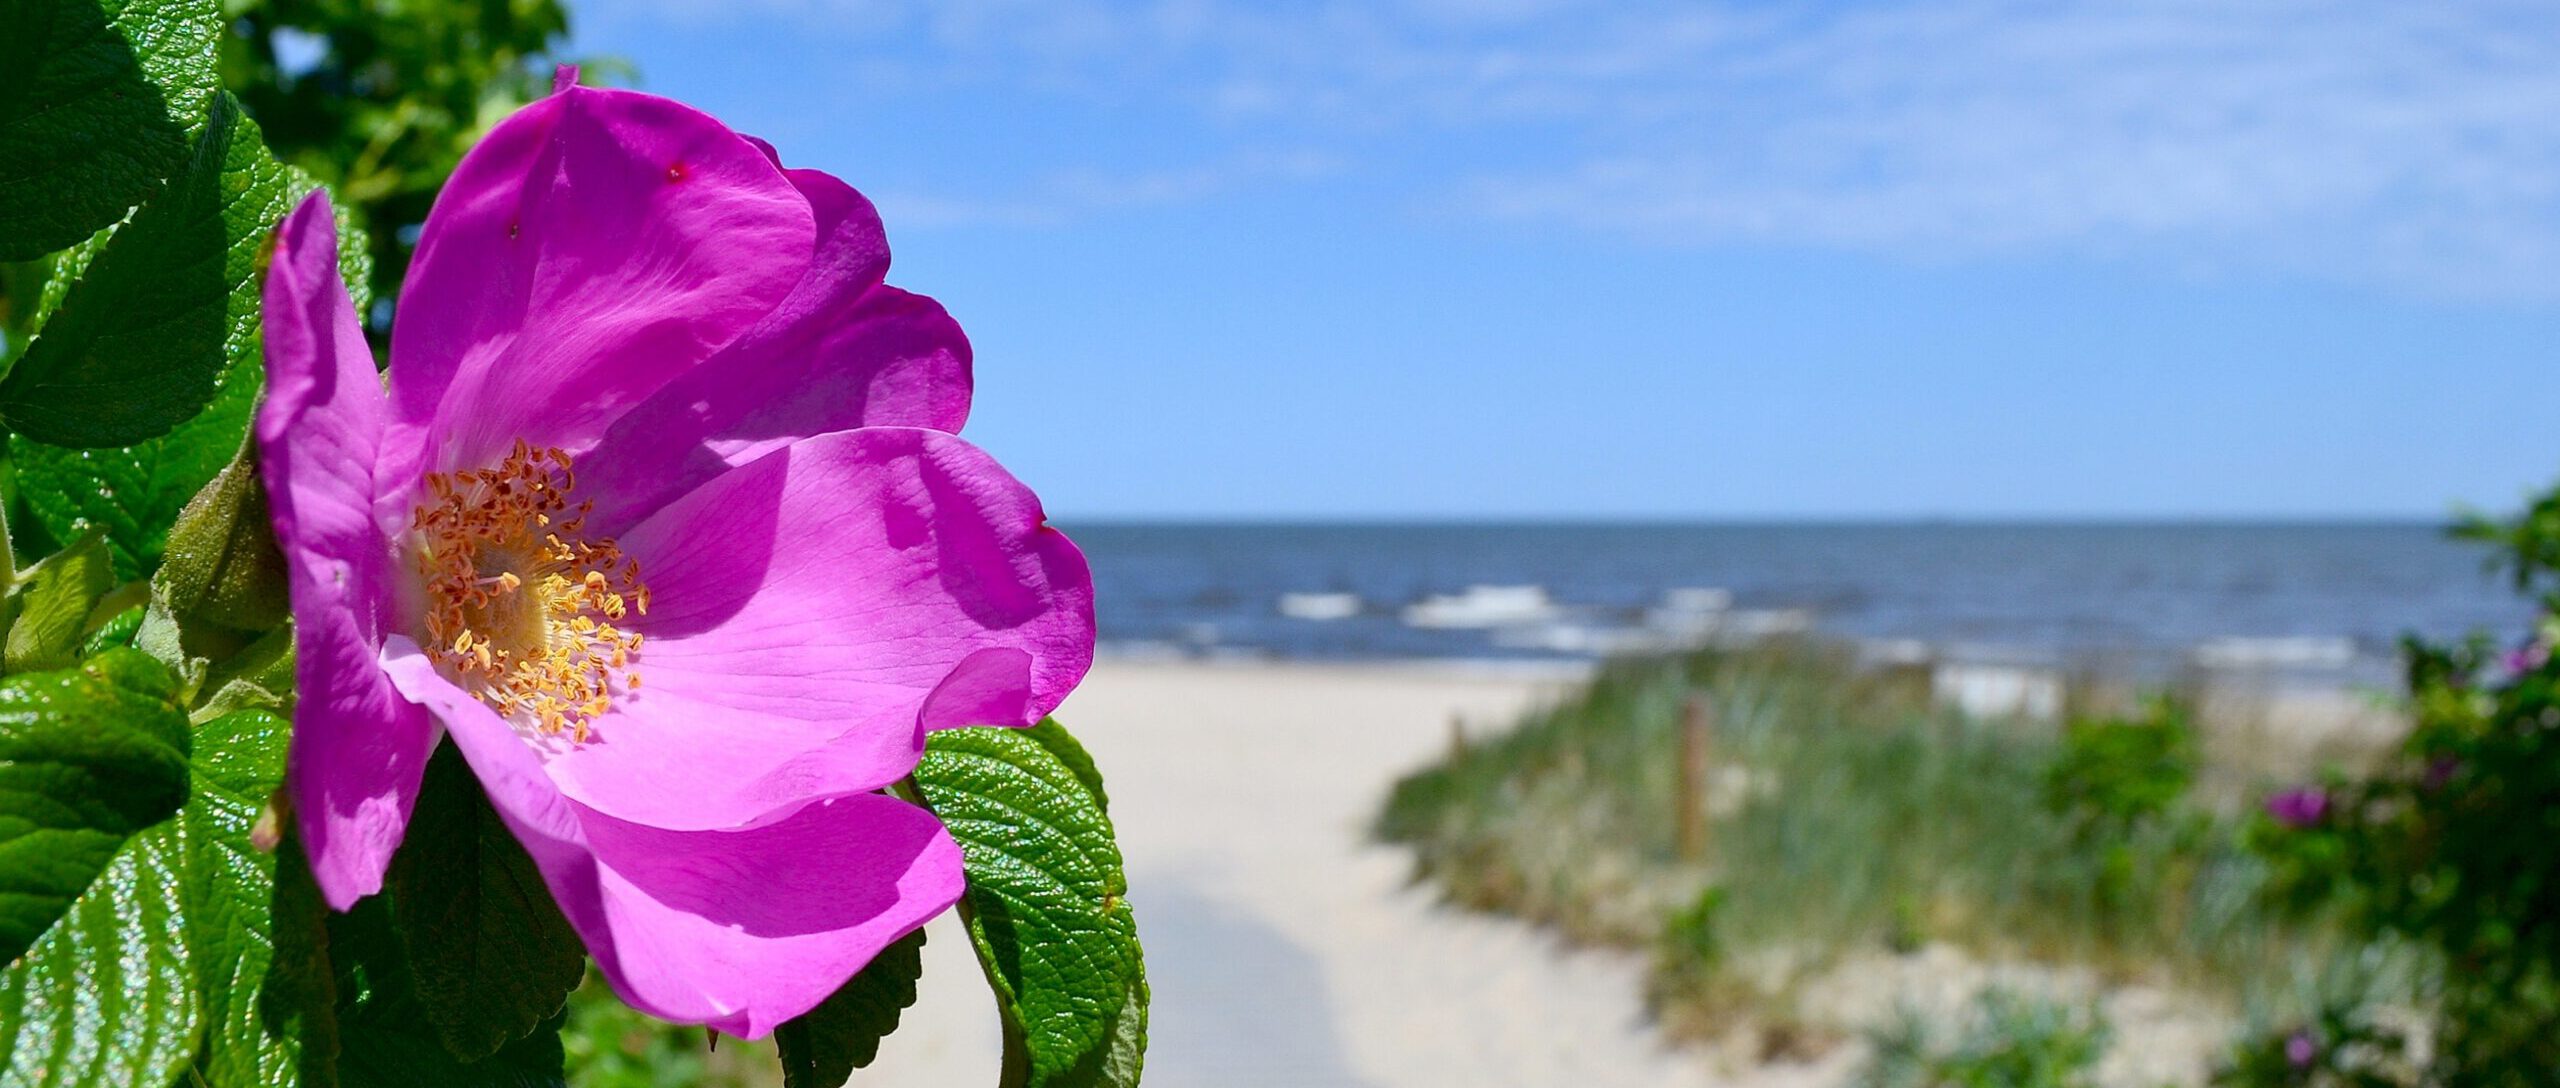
1542 258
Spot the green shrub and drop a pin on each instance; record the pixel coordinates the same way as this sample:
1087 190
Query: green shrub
2454 845
2342 1047
2113 775
611 1046
2012 1041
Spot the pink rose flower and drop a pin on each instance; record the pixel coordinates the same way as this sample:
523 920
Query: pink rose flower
2301 1049
663 520
2299 808
2526 658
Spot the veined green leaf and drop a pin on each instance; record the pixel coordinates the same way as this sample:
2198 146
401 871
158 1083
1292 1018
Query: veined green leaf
104 996
54 606
135 345
253 918
489 955
95 107
383 1038
88 757
380 1054
117 631
258 677
822 1047
1047 902
60 274
136 492
192 955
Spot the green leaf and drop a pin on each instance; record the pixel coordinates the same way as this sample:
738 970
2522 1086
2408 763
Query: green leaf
1046 905
1055 738
94 110
822 1047
136 492
117 631
490 956
104 997
254 925
259 677
54 606
138 342
383 1039
86 761
60 272
377 1054
192 951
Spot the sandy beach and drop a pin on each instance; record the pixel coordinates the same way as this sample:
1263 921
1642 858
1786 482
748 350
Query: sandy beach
1284 949
1287 949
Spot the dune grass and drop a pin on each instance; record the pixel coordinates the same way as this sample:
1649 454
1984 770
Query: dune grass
1847 814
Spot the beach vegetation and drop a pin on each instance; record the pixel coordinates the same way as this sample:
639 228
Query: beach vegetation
1770 820
2009 1040
1850 820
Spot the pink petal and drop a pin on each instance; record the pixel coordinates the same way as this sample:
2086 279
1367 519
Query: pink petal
815 612
842 352
358 749
594 245
743 930
853 248
739 930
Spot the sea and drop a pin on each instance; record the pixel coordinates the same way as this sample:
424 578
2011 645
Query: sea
2326 601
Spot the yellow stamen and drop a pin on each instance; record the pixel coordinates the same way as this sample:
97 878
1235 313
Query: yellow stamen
521 609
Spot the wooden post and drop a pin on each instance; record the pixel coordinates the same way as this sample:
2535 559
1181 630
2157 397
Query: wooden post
1457 737
1697 749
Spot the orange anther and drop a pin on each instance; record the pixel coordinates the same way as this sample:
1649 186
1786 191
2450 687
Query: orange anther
520 605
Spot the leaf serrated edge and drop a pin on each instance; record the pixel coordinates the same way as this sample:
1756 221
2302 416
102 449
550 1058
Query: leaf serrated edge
1117 1055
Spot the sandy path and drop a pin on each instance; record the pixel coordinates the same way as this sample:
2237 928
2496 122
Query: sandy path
1285 950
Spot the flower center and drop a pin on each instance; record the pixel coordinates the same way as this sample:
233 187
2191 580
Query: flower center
521 609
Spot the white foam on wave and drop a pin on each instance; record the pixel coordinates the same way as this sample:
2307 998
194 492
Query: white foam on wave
1320 607
1584 639
1481 606
1686 619
2286 652
1696 599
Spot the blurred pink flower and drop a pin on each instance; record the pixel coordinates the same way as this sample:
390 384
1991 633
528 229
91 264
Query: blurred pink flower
663 520
2299 808
2301 1049
2526 658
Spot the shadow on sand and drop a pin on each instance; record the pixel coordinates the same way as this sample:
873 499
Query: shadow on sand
1236 1004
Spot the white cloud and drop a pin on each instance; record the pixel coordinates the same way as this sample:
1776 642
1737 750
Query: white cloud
1071 195
2410 146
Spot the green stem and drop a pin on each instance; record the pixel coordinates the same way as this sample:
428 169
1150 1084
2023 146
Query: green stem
8 552
1017 1044
8 546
